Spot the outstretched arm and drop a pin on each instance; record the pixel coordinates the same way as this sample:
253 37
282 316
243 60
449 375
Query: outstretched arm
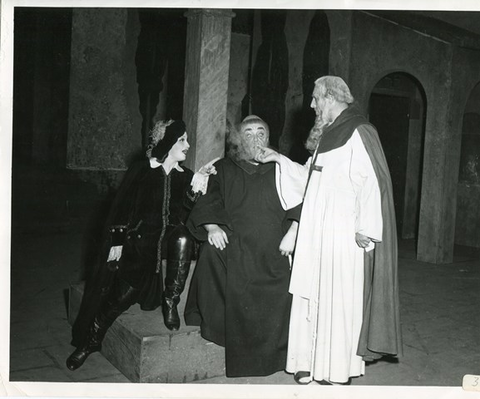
200 178
265 155
291 177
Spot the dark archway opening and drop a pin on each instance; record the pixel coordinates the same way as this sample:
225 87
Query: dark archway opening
397 107
467 226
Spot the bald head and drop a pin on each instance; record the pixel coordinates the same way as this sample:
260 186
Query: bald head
250 134
251 120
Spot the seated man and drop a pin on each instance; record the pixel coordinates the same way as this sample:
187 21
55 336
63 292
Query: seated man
239 291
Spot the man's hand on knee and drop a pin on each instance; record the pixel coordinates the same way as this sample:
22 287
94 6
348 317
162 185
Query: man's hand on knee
216 236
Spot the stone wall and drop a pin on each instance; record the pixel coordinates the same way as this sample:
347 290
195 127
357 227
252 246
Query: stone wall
238 76
380 47
297 29
104 131
364 48
104 121
282 94
41 86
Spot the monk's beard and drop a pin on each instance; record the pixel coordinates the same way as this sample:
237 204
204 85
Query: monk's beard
315 134
237 148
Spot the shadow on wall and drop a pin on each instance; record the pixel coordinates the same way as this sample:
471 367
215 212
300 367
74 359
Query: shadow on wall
270 73
315 64
302 120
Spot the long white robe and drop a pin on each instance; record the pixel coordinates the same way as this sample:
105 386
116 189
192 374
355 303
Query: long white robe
327 274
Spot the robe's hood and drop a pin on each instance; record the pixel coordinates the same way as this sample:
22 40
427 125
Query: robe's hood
340 131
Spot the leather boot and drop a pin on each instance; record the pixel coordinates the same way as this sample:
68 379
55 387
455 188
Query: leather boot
92 344
100 325
177 273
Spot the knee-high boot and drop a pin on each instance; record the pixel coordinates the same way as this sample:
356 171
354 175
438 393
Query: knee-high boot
107 314
177 273
181 247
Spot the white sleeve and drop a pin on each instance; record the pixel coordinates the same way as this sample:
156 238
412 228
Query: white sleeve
291 179
369 221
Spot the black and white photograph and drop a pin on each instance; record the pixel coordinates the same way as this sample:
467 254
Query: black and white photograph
240 199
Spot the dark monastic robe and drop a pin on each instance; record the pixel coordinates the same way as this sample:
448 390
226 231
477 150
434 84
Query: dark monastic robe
239 296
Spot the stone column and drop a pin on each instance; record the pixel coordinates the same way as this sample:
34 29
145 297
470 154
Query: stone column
104 121
440 175
206 83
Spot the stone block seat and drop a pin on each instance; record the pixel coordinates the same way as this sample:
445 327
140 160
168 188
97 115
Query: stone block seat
144 350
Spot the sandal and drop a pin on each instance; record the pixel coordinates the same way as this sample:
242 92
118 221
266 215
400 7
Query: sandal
299 375
326 382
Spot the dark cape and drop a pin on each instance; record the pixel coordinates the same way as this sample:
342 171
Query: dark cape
239 296
147 204
381 331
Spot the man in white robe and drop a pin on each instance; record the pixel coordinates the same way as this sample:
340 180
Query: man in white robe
344 276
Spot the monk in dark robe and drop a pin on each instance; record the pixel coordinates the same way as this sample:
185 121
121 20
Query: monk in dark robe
239 291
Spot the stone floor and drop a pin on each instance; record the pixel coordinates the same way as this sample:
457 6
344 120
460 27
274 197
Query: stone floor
439 313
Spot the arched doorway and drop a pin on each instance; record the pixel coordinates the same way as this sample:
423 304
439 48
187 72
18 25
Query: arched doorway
467 226
397 108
